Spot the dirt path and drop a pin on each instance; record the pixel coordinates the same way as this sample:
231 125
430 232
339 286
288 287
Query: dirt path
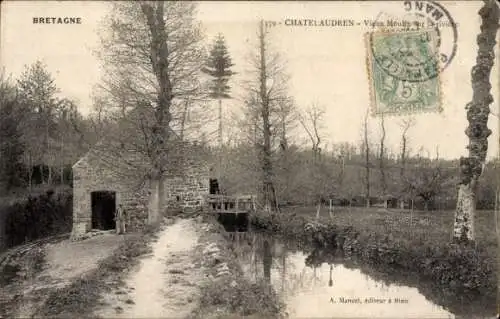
65 260
165 285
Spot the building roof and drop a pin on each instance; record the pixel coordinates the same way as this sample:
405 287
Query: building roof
125 148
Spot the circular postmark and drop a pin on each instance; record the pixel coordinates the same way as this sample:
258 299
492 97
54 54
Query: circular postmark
416 43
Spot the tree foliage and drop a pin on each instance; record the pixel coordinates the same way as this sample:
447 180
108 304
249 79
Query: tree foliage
218 66
42 133
37 90
266 111
152 55
11 145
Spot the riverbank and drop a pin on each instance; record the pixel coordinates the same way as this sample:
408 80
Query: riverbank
462 278
225 291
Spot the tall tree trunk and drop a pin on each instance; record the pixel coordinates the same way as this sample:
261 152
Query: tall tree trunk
49 175
156 199
403 159
48 151
219 169
402 171
154 14
62 161
269 193
497 221
497 224
477 131
161 198
30 172
382 157
283 270
153 204
367 161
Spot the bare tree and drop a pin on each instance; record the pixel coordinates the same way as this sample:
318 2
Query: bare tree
405 124
477 131
287 115
286 118
11 143
99 118
268 186
382 156
311 121
428 180
152 56
367 163
71 135
266 94
38 90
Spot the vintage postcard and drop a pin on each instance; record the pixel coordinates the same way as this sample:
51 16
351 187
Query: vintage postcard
247 159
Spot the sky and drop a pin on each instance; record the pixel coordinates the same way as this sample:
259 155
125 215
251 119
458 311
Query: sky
326 65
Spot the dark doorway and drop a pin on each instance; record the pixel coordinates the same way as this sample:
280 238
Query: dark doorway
214 186
103 210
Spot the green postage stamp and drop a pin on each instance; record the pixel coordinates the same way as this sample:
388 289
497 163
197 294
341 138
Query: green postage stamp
403 69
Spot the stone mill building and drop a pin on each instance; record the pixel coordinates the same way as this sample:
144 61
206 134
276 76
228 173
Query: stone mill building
104 179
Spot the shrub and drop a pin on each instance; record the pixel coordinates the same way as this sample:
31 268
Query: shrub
45 215
238 296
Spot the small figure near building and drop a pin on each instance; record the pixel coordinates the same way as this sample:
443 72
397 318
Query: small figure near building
120 217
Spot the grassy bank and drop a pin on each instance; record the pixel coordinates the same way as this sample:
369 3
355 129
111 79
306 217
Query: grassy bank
226 293
387 242
83 295
406 226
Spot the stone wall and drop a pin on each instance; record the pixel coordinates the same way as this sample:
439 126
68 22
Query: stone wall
188 192
98 171
95 172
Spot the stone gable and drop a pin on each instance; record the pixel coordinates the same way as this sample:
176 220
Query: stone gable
123 174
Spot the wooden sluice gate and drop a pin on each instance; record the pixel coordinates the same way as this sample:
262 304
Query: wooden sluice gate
232 211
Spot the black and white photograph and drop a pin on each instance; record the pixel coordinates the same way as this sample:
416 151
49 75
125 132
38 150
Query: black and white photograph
250 159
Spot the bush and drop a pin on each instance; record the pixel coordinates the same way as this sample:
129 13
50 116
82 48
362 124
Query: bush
238 296
46 215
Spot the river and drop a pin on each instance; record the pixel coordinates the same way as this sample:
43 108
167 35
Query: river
315 283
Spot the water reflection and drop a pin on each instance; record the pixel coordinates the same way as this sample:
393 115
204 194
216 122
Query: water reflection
321 283
330 281
267 260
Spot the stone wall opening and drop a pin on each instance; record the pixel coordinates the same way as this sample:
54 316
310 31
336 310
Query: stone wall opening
214 186
103 209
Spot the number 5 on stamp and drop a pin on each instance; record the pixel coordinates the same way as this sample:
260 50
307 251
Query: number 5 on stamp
403 72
